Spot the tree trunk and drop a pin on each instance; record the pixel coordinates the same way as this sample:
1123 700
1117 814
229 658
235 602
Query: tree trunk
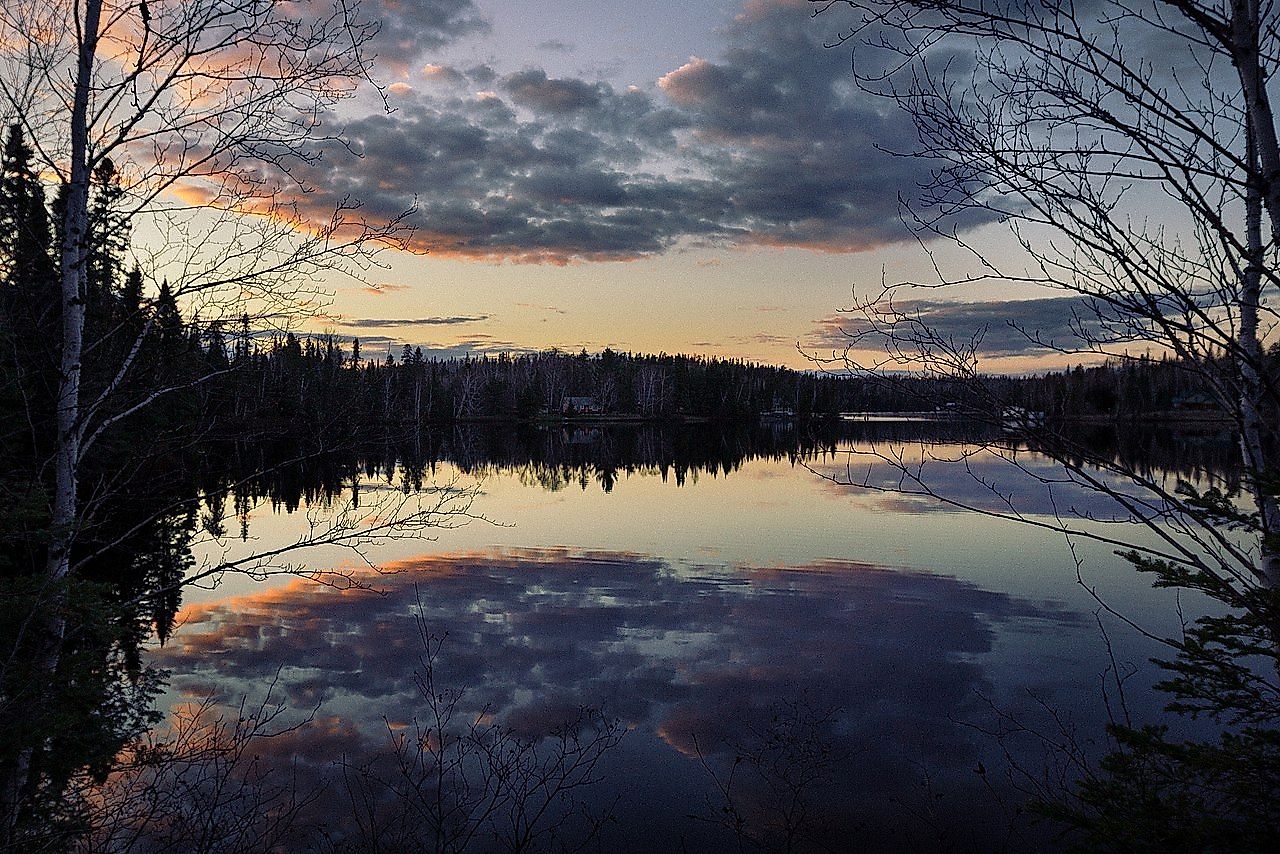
1263 191
1251 388
1247 57
70 431
71 266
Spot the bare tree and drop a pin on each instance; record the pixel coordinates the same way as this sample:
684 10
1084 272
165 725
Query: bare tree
1130 147
1063 121
468 391
200 784
460 780
771 795
203 113
205 110
212 779
651 389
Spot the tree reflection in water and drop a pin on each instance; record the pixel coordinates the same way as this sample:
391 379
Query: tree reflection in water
693 662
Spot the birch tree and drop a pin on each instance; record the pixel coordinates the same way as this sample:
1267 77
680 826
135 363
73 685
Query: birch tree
1130 147
204 109
201 111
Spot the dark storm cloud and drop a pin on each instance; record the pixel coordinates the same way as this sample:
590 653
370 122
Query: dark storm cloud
799 149
488 182
410 28
770 144
533 89
1000 327
380 323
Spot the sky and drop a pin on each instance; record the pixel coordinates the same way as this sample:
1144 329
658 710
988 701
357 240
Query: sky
650 176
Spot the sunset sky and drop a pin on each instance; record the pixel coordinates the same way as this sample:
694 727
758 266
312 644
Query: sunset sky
648 176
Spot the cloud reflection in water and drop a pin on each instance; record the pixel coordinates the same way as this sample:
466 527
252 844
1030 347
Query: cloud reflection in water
677 652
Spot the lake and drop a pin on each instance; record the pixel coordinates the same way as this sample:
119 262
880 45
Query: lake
765 651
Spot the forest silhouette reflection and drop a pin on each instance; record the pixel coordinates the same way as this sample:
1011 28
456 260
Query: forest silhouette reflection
289 473
889 667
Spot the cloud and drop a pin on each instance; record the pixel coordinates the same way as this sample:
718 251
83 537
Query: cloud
467 346
768 144
482 74
934 465
443 74
476 345
1000 327
392 323
556 46
384 288
410 28
534 89
565 184
796 146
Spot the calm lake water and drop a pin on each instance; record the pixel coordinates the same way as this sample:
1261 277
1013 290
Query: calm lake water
720 597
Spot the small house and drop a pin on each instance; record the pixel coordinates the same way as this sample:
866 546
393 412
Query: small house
585 405
1197 402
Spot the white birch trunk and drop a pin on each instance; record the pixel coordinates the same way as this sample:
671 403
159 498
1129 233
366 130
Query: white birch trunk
1264 191
1252 441
70 429
71 268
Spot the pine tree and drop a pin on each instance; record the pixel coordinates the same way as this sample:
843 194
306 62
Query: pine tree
25 232
29 300
109 233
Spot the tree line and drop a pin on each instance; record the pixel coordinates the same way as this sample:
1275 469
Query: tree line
323 383
241 380
319 379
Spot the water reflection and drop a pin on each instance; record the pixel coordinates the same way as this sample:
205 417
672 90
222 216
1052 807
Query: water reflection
692 659
697 660
892 666
291 472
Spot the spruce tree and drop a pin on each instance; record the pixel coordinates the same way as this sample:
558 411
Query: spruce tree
25 232
29 305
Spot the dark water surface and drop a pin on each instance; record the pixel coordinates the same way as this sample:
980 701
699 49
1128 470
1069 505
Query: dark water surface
732 605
